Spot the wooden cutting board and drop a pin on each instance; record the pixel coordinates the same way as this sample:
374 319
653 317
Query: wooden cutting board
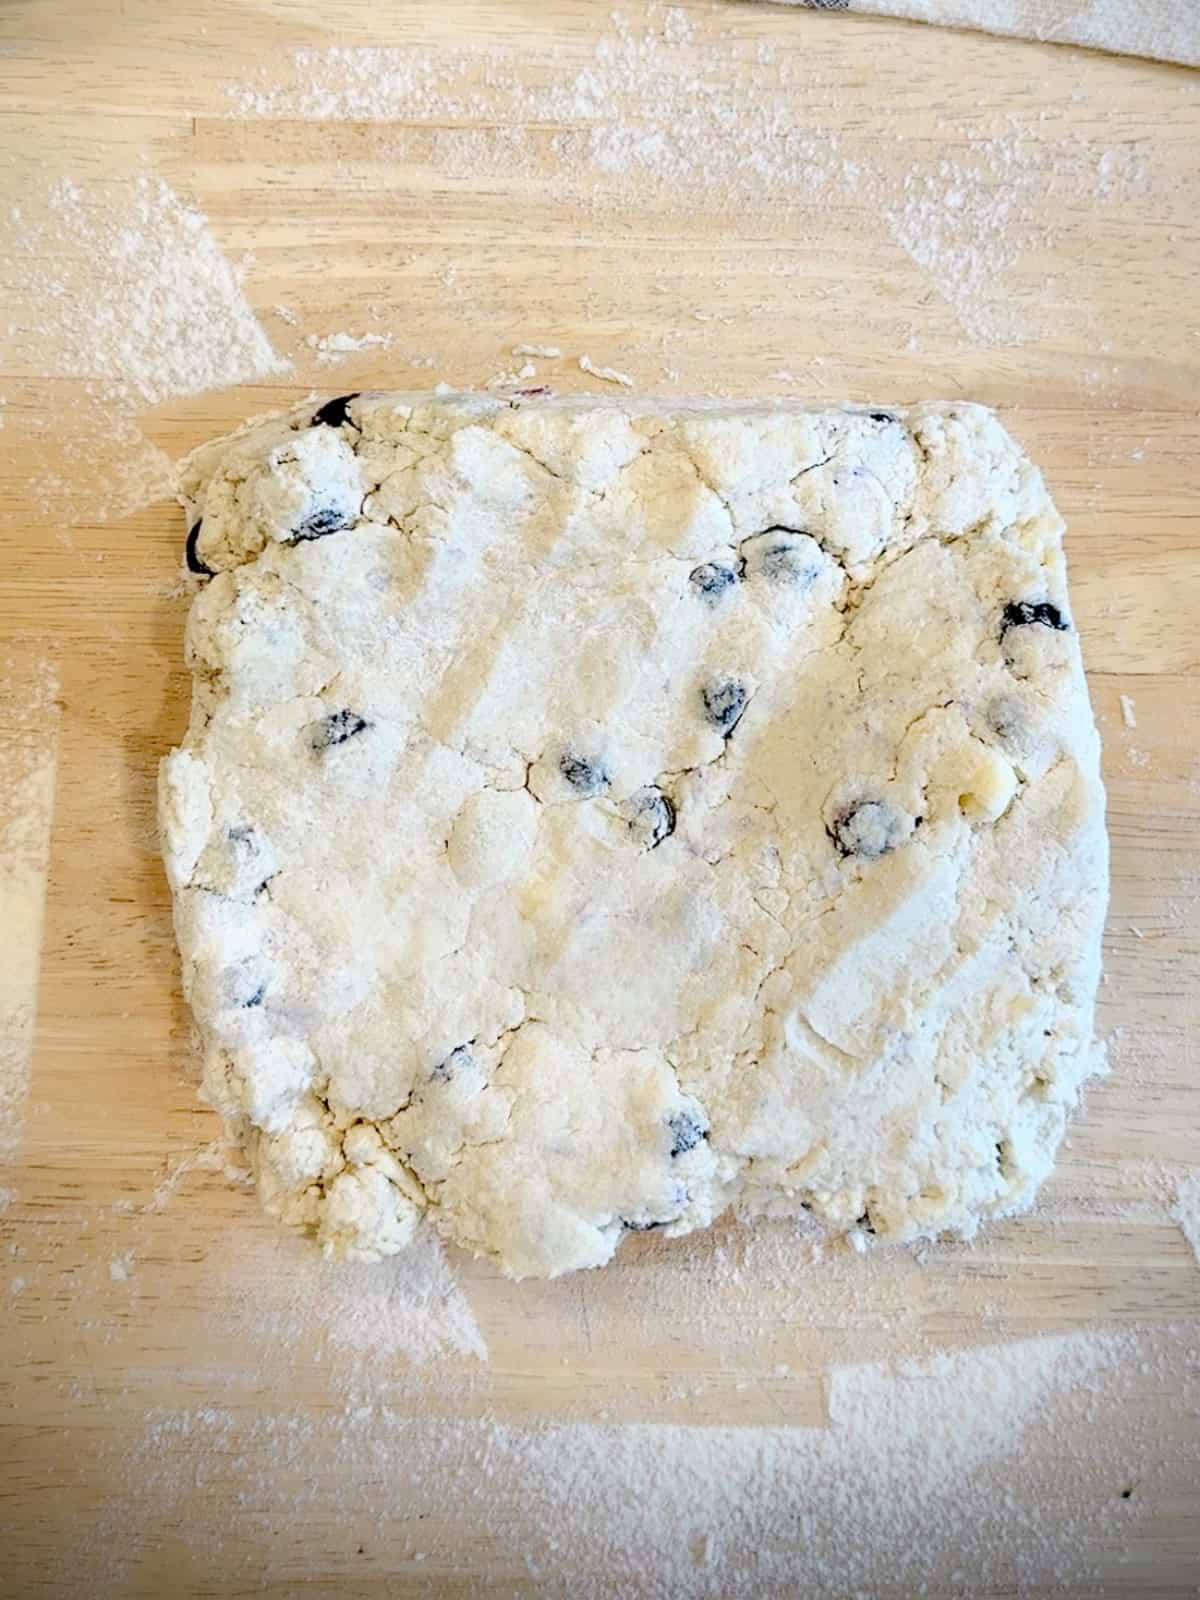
195 1404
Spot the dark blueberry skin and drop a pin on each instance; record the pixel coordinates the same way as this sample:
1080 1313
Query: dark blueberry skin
881 416
782 563
325 521
256 999
632 1226
336 729
194 563
686 1132
724 701
334 413
864 1222
780 559
868 829
655 817
1020 613
459 1057
585 777
712 581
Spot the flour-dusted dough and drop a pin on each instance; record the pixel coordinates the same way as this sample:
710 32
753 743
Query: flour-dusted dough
595 814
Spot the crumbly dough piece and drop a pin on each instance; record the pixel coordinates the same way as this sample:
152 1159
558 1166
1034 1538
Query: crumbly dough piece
596 814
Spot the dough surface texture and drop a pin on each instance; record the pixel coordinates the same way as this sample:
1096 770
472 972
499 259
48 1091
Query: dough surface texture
598 814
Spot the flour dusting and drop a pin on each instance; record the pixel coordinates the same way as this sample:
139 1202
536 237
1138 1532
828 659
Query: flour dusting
1186 1210
359 1321
913 1483
124 284
646 118
28 762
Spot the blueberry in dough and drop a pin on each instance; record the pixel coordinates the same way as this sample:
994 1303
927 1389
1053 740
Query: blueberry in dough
191 555
244 984
635 1225
1020 613
712 580
458 1058
781 564
247 850
881 416
653 816
329 519
686 1131
1006 718
868 828
336 729
335 412
782 557
724 701
585 777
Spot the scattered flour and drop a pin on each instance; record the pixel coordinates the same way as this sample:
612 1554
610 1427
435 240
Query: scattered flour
548 352
357 1321
108 467
647 117
218 1155
28 761
165 313
607 374
1186 1210
332 347
120 1267
513 380
1019 1468
1127 712
119 287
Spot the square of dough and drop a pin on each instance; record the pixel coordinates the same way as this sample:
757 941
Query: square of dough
597 814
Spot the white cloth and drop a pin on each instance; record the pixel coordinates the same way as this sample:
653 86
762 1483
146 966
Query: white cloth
1167 30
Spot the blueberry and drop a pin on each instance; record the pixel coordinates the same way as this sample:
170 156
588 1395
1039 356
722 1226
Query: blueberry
779 564
881 416
635 1225
1020 613
336 729
686 1131
868 828
191 556
712 580
865 1224
244 984
326 520
585 777
724 701
1007 719
458 1058
782 556
335 412
247 848
653 818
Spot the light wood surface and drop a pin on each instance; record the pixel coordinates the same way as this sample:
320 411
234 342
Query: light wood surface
133 1305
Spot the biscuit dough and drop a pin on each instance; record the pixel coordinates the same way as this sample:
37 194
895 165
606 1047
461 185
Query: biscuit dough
599 813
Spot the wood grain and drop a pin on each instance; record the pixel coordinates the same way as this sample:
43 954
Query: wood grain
358 225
